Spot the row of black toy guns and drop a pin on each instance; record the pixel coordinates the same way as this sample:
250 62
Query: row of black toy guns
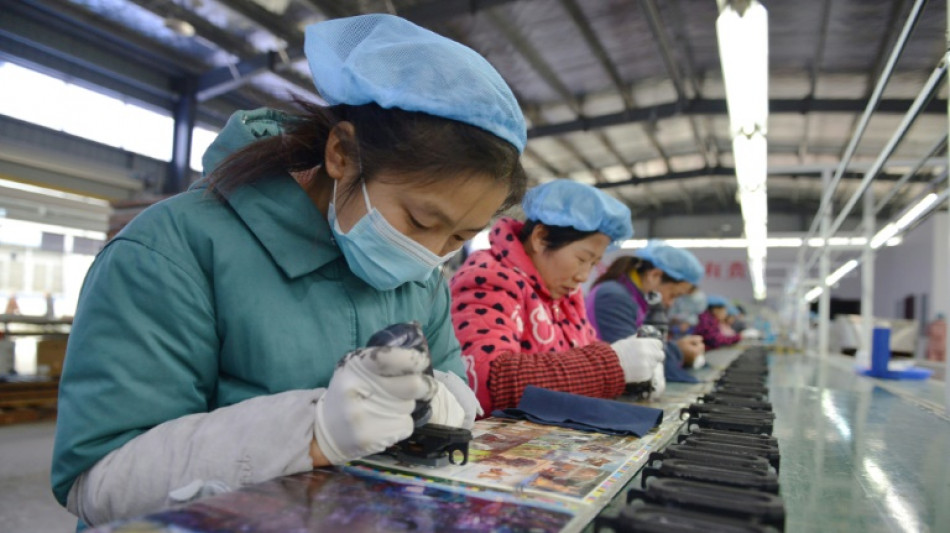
722 472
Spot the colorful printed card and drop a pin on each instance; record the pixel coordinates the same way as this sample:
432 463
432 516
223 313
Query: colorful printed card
327 500
547 461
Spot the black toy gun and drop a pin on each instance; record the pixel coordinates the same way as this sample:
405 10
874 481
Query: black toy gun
656 325
429 444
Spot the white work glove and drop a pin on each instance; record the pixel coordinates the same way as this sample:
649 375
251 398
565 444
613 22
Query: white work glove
658 381
639 358
700 361
454 404
369 402
750 334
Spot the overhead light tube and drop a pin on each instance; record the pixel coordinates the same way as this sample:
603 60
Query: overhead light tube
842 271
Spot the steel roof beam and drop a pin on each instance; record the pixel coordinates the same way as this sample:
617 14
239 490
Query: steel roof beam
274 24
808 171
250 61
658 30
703 106
225 79
533 57
815 67
441 10
593 42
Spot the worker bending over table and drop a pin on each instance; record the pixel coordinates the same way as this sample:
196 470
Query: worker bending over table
518 309
617 304
208 347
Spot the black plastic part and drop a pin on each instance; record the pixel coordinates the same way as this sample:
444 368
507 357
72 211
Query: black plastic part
711 457
434 445
737 401
740 389
649 518
729 437
697 409
741 450
765 447
748 370
682 469
742 392
730 423
712 498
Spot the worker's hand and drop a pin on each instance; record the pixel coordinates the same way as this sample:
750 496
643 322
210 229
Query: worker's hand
750 334
454 404
368 404
658 380
639 358
691 347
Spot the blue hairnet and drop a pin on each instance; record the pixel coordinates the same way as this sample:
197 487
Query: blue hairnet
390 61
582 207
732 310
677 263
714 300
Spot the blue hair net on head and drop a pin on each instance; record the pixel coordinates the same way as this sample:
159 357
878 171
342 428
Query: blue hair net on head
582 207
714 300
675 262
732 310
390 61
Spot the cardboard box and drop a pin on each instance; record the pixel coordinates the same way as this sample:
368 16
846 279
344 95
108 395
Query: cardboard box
50 352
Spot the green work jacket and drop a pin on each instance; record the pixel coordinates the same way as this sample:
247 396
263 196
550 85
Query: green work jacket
201 303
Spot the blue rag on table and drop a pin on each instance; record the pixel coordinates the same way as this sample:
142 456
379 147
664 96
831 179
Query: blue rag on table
672 365
564 409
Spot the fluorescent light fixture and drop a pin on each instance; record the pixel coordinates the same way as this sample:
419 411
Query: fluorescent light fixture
884 235
480 242
52 193
813 294
770 242
751 159
842 271
757 272
915 212
744 55
754 206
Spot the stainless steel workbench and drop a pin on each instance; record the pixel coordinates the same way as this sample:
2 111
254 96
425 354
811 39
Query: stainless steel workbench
859 454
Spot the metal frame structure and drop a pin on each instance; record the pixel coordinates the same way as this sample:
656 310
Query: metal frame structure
826 227
570 131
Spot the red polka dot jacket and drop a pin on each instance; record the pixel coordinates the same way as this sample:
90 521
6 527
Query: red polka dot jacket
513 334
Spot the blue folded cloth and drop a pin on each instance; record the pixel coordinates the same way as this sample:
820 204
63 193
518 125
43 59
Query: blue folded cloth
672 365
564 409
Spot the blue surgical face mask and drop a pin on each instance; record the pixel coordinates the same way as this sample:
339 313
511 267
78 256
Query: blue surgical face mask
378 253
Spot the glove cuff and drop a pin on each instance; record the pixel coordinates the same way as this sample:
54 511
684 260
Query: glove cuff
321 433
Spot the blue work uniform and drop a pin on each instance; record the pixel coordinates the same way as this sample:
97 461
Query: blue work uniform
201 303
617 308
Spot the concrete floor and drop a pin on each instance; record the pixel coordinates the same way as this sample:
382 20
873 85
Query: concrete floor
26 502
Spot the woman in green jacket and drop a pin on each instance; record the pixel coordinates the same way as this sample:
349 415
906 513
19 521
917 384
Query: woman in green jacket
208 346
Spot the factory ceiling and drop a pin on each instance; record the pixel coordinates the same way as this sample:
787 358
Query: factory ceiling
623 94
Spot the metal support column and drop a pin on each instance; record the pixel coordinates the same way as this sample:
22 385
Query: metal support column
186 107
824 302
801 306
946 375
863 356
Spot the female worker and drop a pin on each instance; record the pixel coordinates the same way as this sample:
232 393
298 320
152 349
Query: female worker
617 305
518 309
208 347
711 322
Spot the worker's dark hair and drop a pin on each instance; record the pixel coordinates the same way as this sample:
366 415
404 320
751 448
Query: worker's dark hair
401 142
624 265
555 237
